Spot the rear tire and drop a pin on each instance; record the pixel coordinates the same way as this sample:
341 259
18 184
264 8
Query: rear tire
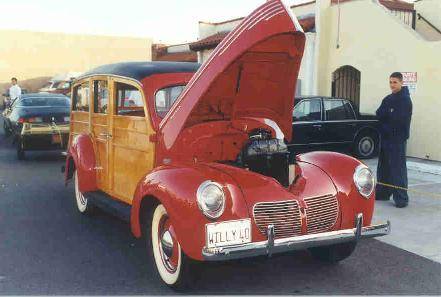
20 150
333 253
82 204
6 129
366 145
172 267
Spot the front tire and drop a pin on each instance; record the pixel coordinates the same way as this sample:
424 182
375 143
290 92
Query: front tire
81 202
333 253
165 251
366 145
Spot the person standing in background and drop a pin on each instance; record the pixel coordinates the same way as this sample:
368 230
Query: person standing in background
14 90
394 115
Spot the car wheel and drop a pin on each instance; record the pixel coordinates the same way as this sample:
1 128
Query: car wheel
6 129
20 150
333 253
81 202
165 251
366 145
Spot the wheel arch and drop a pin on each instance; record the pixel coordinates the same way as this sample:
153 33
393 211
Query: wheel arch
81 157
366 129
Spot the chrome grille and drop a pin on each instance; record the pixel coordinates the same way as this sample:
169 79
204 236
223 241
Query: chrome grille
321 213
284 215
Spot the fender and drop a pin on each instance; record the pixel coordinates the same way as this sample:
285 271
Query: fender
81 156
175 187
340 168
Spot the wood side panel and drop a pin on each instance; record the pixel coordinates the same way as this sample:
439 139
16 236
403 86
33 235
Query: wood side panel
132 152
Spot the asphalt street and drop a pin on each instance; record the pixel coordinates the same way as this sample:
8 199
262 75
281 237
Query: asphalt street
47 247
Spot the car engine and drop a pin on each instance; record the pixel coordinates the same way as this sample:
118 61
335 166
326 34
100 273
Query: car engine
266 155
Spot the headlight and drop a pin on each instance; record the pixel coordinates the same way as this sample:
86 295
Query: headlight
211 199
66 119
364 180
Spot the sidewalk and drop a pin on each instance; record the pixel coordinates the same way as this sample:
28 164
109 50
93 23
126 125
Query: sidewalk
416 228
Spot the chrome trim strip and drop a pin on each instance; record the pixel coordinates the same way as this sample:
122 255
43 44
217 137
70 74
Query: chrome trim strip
273 246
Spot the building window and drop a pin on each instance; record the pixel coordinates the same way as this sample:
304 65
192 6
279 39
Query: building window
81 97
128 100
101 96
165 98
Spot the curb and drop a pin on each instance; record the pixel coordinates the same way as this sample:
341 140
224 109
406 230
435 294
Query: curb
426 168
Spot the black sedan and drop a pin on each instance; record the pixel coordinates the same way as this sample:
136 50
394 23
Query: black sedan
333 124
38 122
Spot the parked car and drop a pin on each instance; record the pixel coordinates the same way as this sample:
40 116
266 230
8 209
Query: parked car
38 122
332 123
199 165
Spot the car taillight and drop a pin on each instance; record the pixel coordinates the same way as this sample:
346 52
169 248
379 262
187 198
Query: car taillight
30 120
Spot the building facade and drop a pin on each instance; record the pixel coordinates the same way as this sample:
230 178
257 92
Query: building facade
352 46
27 55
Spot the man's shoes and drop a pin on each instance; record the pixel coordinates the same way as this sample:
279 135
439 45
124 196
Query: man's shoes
400 204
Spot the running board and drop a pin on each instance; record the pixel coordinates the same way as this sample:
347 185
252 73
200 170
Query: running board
109 204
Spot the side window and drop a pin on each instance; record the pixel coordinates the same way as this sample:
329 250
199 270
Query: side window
81 97
335 110
100 97
350 115
128 100
165 98
308 110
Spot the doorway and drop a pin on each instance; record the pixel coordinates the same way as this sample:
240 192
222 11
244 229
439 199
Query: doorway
346 84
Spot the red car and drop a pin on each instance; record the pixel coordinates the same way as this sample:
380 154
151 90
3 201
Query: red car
195 158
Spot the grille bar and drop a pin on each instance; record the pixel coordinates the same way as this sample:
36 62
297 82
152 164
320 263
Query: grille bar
321 213
284 215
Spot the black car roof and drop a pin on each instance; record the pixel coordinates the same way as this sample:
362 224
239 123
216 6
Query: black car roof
140 70
318 96
46 95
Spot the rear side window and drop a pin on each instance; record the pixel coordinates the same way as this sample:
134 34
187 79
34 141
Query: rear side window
101 96
165 98
337 111
81 97
128 100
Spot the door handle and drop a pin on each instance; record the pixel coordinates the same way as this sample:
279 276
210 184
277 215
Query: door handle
317 126
107 135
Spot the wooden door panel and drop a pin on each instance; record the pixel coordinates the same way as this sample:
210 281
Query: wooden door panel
133 154
100 130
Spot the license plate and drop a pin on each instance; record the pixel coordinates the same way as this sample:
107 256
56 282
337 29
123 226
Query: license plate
228 233
56 138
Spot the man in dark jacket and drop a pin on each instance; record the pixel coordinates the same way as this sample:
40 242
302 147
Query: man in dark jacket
394 115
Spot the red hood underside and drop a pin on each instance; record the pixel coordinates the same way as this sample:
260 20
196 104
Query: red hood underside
252 73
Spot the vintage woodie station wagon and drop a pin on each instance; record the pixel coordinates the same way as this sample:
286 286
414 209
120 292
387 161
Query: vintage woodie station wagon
195 157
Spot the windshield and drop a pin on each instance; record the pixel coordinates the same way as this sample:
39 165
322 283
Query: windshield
45 101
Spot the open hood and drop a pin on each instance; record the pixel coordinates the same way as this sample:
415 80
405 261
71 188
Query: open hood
251 73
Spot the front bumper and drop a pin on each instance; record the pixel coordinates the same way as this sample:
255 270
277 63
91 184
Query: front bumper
273 246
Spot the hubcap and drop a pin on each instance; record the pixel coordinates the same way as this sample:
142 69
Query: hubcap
168 245
366 146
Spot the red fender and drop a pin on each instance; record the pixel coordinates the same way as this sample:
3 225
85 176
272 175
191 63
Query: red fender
83 155
340 168
175 187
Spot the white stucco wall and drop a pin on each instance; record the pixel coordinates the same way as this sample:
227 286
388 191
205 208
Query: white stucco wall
378 48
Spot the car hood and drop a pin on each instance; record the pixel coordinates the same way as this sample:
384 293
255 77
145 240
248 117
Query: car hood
251 73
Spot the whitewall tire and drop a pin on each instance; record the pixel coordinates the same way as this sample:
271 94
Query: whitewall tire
166 253
81 202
